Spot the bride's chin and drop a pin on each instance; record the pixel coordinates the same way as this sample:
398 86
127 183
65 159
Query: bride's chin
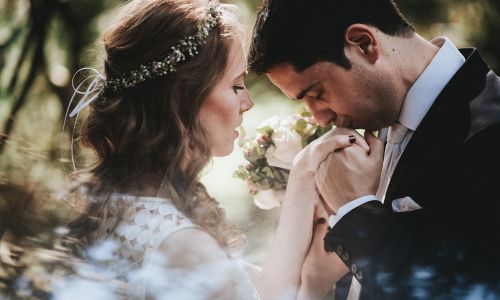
223 151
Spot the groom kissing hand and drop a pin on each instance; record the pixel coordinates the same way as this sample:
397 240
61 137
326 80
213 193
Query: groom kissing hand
352 173
423 222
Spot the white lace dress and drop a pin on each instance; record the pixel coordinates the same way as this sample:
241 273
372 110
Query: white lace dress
135 228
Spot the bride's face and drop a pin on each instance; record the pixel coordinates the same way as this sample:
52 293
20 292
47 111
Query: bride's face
222 112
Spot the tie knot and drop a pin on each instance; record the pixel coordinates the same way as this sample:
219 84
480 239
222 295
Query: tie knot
396 133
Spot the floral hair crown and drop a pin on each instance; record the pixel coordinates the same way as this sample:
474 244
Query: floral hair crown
100 86
185 48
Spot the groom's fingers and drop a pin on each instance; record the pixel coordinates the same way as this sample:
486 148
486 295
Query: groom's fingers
376 145
360 141
320 231
321 210
363 144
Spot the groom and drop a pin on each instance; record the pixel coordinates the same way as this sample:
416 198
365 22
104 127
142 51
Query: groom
430 227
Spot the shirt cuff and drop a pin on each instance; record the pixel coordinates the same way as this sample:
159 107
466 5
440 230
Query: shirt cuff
344 209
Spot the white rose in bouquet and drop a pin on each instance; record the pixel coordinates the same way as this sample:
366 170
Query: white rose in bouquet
272 122
287 144
268 199
270 155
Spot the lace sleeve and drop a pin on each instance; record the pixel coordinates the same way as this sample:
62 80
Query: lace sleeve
145 225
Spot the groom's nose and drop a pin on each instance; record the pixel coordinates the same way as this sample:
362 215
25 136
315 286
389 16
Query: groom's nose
323 115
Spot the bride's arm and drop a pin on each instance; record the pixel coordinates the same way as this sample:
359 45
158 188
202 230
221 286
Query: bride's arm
282 267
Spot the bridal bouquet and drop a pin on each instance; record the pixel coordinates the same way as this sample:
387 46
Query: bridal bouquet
270 155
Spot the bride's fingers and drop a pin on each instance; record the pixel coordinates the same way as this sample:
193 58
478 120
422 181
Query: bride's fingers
360 141
316 152
342 131
320 150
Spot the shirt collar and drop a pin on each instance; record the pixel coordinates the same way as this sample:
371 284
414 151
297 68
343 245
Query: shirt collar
430 83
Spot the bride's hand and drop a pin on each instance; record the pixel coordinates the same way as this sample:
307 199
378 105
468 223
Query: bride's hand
309 159
294 232
321 269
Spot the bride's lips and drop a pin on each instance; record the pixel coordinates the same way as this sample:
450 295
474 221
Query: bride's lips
236 130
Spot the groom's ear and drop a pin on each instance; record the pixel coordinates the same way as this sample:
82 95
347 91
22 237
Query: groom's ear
361 40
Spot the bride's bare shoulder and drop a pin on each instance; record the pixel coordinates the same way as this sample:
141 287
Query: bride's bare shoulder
191 246
198 255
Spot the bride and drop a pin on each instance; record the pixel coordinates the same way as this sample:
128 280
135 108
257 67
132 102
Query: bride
170 98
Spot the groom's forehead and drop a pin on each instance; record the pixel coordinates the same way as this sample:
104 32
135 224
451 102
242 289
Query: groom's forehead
291 82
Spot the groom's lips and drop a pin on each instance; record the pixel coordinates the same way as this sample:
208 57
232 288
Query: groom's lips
334 118
343 121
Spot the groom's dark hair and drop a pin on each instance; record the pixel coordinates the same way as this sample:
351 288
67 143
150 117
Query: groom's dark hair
303 33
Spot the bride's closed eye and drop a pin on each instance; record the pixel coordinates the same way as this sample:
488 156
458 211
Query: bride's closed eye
238 87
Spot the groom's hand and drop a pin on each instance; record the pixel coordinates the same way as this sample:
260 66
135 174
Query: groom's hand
350 173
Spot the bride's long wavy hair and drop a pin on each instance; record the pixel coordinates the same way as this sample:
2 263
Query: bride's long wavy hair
150 136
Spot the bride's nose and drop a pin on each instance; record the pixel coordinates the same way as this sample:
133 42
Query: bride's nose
247 103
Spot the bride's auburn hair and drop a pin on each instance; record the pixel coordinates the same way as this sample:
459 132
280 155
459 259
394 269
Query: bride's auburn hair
150 134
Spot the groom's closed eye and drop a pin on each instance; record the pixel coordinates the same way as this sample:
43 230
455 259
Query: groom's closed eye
319 94
305 91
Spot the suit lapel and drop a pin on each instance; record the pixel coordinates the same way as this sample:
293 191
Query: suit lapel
443 128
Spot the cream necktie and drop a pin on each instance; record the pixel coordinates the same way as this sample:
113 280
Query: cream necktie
393 150
397 139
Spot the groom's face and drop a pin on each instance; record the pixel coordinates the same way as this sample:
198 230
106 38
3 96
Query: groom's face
361 97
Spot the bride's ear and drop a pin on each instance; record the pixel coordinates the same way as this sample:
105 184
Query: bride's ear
361 40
